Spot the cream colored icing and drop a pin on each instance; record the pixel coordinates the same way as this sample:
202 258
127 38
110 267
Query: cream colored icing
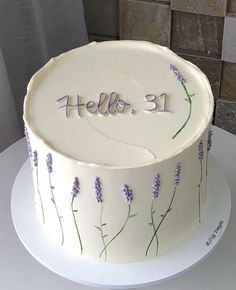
121 149
133 69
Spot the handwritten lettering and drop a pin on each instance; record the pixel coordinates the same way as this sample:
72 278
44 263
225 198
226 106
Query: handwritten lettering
111 104
68 106
215 234
156 103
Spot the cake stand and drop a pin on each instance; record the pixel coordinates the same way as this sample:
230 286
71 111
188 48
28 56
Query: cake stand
121 276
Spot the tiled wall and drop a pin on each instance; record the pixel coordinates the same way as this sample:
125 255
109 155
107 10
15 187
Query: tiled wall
203 32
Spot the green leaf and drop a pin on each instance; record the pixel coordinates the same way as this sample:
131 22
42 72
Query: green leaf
169 209
153 211
75 210
162 215
105 236
98 228
132 215
192 95
187 100
52 200
103 224
150 224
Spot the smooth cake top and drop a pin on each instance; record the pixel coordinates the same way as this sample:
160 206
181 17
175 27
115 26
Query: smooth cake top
118 104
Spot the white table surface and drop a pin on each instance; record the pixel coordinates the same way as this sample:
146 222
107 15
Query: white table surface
20 271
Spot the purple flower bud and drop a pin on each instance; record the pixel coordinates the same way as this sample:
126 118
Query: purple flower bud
209 140
29 149
75 188
201 150
49 162
128 194
177 174
156 186
177 74
35 158
98 189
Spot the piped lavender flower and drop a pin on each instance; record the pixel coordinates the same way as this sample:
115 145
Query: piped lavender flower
128 194
49 163
35 158
177 74
75 191
76 187
200 150
156 186
209 140
182 80
200 157
98 190
209 145
98 194
177 174
29 149
155 193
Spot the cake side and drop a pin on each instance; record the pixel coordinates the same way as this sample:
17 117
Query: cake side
130 200
176 205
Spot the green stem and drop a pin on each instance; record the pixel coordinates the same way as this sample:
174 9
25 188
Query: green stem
189 113
76 226
40 197
199 194
207 165
163 218
102 234
126 220
58 216
154 227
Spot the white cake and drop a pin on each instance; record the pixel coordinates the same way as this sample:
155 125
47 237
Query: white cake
118 135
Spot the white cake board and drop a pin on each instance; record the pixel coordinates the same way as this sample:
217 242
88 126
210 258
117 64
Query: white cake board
121 276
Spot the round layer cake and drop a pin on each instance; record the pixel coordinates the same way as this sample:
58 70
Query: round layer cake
118 135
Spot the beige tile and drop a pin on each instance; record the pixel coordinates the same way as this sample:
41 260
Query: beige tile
228 81
229 39
206 7
197 33
211 67
225 117
231 7
102 17
141 20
